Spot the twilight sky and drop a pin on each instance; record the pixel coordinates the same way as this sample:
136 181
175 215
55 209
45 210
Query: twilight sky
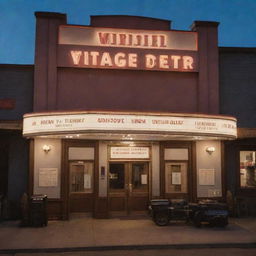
17 33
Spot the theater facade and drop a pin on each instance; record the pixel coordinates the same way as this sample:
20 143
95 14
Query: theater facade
125 110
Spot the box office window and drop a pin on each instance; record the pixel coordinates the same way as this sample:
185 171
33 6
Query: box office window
176 177
247 169
81 177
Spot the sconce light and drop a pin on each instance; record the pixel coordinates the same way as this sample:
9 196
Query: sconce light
46 148
210 150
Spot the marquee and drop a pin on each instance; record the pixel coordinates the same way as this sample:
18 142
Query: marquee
78 122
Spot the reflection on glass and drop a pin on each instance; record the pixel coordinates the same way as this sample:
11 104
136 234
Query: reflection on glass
247 169
116 176
81 177
139 177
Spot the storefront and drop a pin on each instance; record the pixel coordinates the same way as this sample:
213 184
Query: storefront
125 110
113 163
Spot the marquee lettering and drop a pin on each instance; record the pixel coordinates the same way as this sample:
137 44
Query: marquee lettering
130 60
132 40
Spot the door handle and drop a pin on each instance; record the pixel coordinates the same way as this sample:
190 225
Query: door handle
130 188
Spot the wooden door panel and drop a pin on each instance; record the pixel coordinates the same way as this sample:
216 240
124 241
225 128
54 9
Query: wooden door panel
81 203
117 187
81 196
128 186
139 203
117 203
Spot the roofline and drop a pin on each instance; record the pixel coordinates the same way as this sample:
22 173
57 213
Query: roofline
237 49
135 16
17 65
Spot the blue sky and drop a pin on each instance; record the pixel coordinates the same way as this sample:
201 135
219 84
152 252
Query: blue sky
17 31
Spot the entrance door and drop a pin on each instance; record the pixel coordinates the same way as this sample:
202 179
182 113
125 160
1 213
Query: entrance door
176 180
128 187
81 186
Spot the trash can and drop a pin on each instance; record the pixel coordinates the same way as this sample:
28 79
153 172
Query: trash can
38 211
159 210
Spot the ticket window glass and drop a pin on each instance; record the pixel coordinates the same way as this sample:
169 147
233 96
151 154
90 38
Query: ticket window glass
176 173
248 169
176 178
81 177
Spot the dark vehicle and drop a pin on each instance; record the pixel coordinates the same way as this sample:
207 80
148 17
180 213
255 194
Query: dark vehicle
212 212
163 211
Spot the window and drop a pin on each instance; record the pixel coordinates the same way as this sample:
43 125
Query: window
175 177
247 169
81 177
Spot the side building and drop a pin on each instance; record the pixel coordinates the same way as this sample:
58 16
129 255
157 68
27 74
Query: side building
237 97
16 99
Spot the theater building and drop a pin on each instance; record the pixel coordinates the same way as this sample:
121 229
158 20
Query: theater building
126 110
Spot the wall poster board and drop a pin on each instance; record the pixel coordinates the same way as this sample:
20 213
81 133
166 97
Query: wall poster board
207 177
48 177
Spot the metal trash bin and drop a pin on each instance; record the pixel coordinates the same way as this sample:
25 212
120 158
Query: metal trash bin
38 211
159 211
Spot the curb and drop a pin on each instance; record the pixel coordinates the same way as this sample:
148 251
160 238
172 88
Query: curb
130 247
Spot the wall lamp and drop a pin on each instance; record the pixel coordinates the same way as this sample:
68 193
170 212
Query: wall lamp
210 150
46 148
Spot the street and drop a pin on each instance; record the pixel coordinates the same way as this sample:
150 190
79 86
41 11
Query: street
161 252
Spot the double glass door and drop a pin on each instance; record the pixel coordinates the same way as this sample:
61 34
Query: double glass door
128 186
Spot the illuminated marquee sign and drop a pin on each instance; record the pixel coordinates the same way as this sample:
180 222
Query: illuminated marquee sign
87 47
40 124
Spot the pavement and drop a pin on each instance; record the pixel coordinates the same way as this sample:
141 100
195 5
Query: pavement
85 233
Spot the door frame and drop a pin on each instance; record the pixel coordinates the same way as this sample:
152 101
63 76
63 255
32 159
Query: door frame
65 186
191 165
80 194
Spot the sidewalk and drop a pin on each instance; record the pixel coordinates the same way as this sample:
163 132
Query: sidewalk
88 232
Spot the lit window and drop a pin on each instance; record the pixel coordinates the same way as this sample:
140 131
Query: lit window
247 169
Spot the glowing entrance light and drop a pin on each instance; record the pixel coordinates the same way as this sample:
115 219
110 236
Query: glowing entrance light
210 150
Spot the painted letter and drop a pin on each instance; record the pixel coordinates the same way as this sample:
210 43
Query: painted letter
122 39
76 55
150 61
132 60
94 58
106 60
187 62
104 38
163 40
119 59
86 58
163 61
175 59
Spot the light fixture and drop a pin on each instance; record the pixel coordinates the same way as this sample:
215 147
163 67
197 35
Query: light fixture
46 148
210 150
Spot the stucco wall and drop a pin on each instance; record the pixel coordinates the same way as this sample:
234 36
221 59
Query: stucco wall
52 159
103 162
206 161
